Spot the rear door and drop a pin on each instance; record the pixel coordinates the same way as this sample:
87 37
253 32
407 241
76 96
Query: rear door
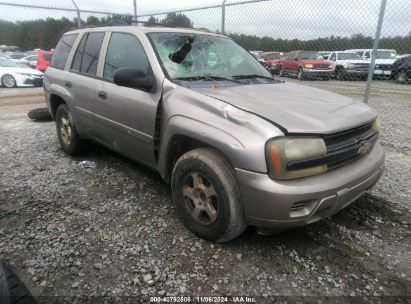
82 80
125 117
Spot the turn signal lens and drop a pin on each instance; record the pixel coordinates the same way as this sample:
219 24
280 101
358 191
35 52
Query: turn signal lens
284 150
309 66
376 126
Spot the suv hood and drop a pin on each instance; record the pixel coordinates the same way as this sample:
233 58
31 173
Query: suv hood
296 108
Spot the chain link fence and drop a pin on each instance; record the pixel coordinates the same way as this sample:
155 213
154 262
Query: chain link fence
294 39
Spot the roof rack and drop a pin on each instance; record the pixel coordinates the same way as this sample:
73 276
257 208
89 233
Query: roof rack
124 23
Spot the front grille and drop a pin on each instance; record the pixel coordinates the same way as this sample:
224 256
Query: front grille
342 148
361 66
383 67
320 66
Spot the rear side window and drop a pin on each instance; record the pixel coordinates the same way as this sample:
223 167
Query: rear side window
124 50
87 54
62 51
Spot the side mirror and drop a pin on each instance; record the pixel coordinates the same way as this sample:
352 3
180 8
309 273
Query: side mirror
134 78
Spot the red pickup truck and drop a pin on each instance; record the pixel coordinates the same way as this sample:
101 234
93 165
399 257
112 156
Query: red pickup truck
306 64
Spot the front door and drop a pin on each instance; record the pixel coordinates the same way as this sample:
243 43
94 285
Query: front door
125 117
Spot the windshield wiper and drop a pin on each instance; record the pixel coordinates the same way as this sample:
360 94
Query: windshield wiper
251 76
204 77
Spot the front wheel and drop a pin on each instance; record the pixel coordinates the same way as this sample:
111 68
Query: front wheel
339 74
402 77
67 134
300 74
207 196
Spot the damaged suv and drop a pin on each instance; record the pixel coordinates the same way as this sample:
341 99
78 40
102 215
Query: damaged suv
237 146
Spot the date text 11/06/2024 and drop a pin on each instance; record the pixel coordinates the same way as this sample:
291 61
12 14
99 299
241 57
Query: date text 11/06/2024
232 299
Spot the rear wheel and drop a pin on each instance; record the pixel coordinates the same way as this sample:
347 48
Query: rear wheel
207 196
300 74
67 134
8 81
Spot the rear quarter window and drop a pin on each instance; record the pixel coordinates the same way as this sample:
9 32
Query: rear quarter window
62 51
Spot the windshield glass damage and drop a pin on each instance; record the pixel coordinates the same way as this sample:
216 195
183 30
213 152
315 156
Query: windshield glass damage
190 57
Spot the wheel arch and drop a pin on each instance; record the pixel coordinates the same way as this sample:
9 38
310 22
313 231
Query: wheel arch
55 102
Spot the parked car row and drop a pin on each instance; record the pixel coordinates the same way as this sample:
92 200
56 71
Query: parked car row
19 69
342 65
38 60
13 75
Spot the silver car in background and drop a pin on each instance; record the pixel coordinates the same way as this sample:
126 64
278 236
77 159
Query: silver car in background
237 146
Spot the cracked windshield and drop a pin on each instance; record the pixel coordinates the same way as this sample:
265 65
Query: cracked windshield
202 57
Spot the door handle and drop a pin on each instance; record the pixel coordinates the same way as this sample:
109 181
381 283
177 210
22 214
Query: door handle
67 84
102 95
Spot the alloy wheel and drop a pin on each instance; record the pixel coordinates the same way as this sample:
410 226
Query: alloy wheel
65 129
200 199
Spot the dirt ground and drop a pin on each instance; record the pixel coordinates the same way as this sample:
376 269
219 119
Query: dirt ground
111 233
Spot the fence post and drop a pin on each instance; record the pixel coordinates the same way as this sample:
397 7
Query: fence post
374 52
135 9
223 17
78 14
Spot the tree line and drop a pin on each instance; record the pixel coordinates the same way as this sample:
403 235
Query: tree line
45 33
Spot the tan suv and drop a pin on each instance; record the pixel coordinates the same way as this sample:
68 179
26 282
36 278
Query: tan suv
237 146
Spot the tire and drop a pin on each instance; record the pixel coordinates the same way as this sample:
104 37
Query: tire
40 114
67 134
12 290
8 81
300 74
402 77
281 71
207 196
339 74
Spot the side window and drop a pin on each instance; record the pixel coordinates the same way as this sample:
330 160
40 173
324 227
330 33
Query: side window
333 57
87 54
124 50
75 66
62 51
290 56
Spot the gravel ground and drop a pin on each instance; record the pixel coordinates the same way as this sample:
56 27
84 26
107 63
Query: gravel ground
112 230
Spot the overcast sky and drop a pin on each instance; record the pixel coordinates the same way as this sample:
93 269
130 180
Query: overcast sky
303 19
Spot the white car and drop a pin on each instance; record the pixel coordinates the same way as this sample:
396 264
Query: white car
384 60
14 75
348 65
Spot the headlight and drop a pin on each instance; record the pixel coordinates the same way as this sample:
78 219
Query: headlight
350 66
330 66
284 150
308 66
376 125
26 74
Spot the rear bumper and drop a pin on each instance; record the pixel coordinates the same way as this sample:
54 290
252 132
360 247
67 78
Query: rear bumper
272 203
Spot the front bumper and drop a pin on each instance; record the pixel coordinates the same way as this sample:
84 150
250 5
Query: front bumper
356 72
317 73
272 203
24 81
